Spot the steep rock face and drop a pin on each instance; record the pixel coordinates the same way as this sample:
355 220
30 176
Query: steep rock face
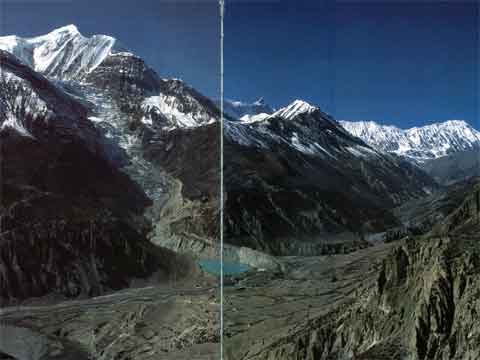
298 175
169 139
123 73
454 168
421 304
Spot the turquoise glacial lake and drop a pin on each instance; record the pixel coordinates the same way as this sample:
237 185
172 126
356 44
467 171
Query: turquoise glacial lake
229 268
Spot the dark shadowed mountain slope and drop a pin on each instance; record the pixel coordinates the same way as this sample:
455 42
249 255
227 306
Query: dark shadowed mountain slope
70 222
454 167
296 180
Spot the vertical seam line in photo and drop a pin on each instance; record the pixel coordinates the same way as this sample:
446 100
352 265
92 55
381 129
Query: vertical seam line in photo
222 9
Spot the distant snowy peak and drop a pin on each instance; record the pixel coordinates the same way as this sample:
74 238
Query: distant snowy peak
418 143
260 102
63 53
309 116
385 137
249 119
259 111
245 111
302 127
294 109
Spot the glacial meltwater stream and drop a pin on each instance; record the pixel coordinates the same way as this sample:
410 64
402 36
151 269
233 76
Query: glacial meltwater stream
229 268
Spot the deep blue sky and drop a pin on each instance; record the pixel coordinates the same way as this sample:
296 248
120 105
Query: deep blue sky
398 62
178 38
404 63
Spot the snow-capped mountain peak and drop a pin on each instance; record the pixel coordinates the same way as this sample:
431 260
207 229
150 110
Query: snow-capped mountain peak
294 109
62 53
259 102
246 111
417 143
92 67
254 118
71 28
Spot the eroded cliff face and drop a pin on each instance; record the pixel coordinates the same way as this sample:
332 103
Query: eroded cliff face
424 306
79 251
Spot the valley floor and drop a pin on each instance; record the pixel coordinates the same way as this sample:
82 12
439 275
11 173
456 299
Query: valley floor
143 323
416 298
412 299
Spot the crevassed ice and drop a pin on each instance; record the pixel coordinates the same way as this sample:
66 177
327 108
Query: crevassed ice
169 107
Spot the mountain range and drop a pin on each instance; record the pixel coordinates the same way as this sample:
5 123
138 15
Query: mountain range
240 110
162 135
94 144
111 177
448 151
296 179
419 143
